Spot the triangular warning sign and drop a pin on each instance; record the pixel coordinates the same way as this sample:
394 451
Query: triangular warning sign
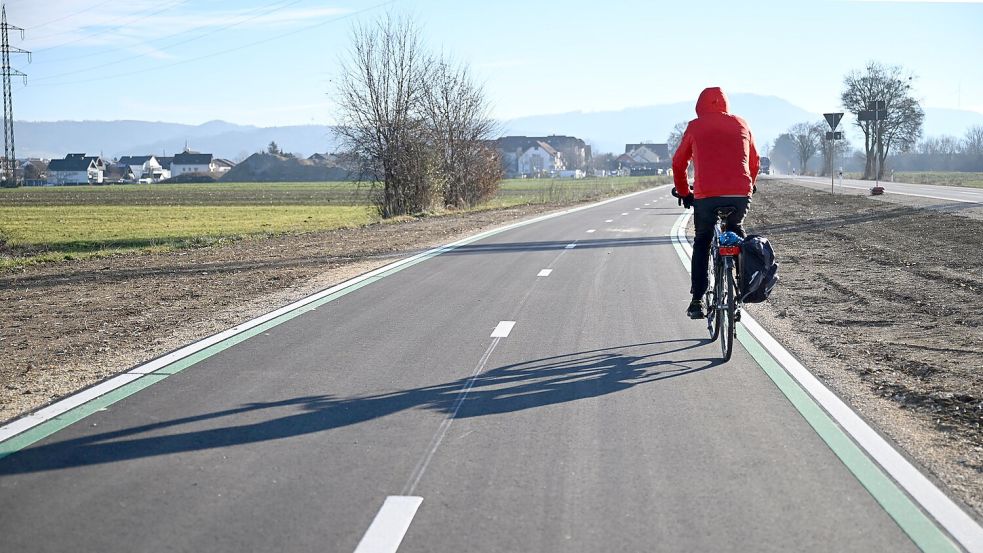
833 119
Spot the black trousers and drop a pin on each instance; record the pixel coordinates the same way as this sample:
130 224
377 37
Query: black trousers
704 219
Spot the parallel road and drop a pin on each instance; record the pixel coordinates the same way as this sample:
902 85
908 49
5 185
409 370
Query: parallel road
960 194
536 390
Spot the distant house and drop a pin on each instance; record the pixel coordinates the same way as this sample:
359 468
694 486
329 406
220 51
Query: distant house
220 165
646 159
165 165
144 168
572 153
34 171
76 169
539 159
188 162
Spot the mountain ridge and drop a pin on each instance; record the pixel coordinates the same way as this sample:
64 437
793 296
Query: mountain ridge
606 131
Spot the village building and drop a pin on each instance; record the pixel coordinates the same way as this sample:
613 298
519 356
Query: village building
146 169
552 155
646 159
191 163
76 169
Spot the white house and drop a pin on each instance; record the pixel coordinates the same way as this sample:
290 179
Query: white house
144 168
540 158
220 165
76 169
188 163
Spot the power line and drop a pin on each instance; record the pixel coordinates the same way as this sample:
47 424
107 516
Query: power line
8 167
80 12
221 52
179 43
115 28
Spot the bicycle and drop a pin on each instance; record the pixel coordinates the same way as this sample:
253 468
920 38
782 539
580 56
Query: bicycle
722 298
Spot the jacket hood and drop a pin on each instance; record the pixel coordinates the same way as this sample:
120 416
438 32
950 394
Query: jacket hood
712 100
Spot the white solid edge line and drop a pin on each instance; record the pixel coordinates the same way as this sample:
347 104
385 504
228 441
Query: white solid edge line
889 191
30 420
389 525
545 273
943 509
503 329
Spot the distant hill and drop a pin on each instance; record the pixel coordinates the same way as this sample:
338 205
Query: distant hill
118 138
607 131
768 116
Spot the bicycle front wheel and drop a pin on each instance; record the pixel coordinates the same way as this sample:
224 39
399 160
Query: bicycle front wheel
728 312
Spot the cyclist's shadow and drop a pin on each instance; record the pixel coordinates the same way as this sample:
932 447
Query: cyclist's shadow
507 388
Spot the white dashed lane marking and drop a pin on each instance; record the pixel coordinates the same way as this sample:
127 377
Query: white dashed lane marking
389 525
503 329
591 230
545 272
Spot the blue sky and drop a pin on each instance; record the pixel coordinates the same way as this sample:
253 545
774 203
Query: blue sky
270 63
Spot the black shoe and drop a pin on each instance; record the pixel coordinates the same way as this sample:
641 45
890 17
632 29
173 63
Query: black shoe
695 310
737 315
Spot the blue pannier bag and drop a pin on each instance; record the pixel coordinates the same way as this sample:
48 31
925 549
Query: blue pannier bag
759 272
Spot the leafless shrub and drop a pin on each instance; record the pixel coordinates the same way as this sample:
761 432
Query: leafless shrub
414 123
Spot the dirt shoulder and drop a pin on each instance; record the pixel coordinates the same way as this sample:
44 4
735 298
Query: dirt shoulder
69 325
883 301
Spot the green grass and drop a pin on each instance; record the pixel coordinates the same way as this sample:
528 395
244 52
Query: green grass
49 233
43 224
938 178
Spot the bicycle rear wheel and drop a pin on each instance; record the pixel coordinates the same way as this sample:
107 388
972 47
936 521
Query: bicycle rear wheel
713 292
728 311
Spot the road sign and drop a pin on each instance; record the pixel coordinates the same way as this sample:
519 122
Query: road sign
833 119
838 135
872 115
876 105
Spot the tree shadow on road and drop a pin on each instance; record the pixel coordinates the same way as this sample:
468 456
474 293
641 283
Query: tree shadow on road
503 389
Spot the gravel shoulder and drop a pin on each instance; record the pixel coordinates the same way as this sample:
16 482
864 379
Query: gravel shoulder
882 301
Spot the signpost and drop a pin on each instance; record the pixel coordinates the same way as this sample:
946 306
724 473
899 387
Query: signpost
876 112
832 136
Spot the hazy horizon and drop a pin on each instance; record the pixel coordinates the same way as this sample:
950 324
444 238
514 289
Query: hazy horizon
263 63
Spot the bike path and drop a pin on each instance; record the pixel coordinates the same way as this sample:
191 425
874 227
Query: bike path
600 422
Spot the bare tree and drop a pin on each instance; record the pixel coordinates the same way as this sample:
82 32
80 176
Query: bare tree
676 136
807 141
903 126
415 123
973 141
459 129
379 100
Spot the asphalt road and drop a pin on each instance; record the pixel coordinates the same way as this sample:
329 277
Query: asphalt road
960 194
601 422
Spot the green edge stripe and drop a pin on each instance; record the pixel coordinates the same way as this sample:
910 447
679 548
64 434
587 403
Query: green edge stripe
919 527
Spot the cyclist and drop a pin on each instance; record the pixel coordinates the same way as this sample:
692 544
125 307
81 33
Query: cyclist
726 165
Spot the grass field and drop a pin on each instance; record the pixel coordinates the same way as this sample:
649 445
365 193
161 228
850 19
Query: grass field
40 224
939 178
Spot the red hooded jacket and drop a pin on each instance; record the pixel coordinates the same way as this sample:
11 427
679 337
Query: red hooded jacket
722 150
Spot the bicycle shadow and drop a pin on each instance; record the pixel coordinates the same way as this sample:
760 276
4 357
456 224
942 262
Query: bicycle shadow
504 389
